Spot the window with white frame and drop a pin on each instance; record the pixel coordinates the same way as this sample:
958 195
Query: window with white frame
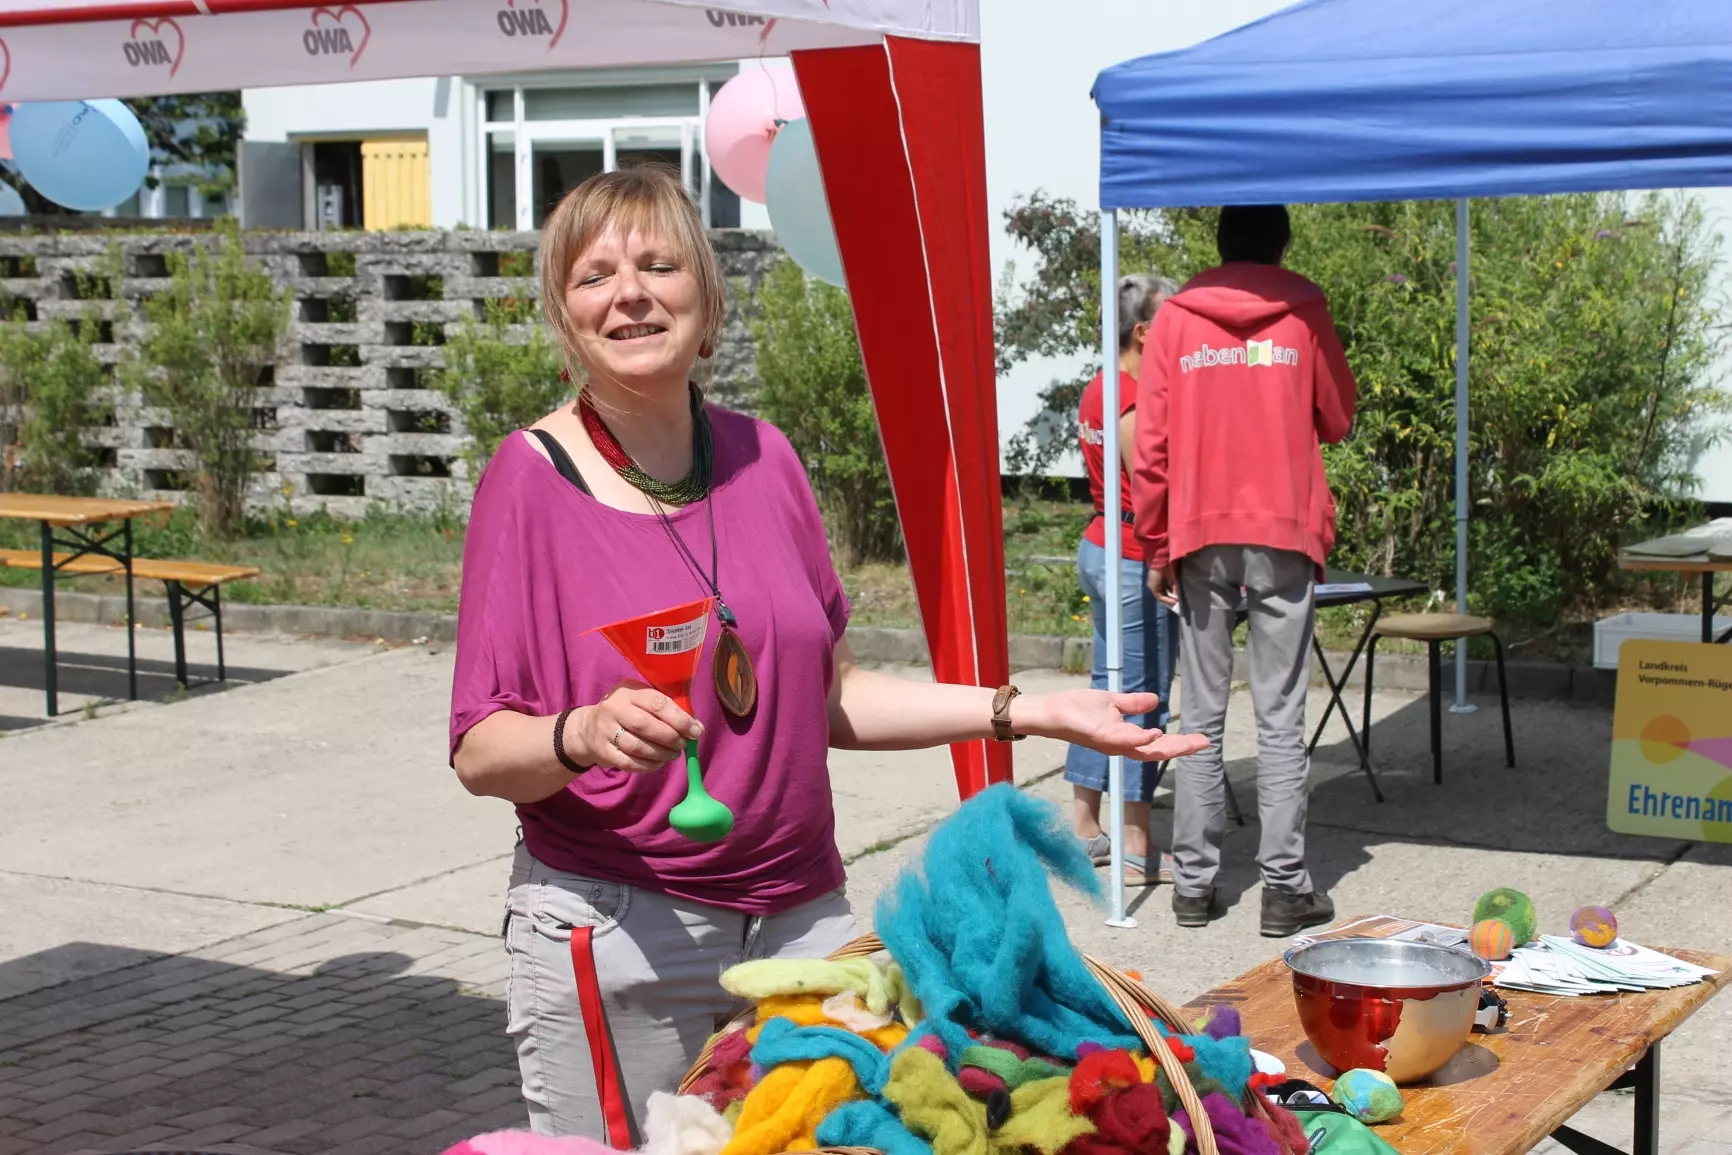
538 142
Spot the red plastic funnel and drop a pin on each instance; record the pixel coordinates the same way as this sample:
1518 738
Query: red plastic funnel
664 646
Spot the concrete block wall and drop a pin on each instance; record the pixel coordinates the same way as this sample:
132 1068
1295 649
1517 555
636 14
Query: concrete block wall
349 419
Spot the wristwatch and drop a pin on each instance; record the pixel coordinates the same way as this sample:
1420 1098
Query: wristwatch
1001 714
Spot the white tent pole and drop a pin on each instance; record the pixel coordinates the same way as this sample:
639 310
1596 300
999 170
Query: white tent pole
1462 705
1115 547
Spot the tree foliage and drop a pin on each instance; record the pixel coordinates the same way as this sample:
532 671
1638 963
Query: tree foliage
210 342
812 386
50 398
500 376
1592 343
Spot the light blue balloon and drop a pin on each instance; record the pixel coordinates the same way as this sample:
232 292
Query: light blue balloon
794 194
83 154
11 204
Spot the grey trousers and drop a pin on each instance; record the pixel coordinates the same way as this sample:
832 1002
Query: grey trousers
658 961
1277 587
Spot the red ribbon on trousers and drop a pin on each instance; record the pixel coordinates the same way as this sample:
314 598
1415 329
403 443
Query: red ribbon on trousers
609 1088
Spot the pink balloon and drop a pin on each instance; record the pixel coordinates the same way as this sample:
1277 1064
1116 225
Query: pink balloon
5 132
742 125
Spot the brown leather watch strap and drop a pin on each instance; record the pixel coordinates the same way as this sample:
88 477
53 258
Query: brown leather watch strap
1001 714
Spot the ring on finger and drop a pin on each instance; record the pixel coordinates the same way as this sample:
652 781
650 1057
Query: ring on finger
615 739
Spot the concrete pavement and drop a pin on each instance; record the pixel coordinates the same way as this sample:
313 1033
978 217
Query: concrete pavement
267 918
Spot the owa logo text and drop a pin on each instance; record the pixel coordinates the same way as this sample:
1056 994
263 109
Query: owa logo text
1252 353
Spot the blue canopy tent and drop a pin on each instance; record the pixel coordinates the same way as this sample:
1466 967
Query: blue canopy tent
1358 100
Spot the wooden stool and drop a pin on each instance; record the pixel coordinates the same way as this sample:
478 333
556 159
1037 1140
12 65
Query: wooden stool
1434 630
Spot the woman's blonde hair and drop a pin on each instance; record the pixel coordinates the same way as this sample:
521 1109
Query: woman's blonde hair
648 198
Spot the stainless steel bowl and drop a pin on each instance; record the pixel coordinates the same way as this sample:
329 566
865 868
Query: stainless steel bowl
1403 1008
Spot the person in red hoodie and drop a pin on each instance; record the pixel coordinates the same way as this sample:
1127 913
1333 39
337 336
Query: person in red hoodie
1243 378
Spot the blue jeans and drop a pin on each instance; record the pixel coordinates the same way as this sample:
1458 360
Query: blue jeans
1148 662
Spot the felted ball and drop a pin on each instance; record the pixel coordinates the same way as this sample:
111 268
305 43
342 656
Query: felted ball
1369 1096
1491 939
1594 926
1511 907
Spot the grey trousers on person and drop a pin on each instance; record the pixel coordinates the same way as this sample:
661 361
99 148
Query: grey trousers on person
1277 587
658 963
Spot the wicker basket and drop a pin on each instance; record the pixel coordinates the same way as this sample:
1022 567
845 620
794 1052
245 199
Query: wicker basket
1137 1002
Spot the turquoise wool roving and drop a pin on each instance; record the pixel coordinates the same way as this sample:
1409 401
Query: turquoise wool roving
1370 1096
980 939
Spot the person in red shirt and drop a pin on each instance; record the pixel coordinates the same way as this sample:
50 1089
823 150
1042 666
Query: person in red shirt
1242 380
1150 631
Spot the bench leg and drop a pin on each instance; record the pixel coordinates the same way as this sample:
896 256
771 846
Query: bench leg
50 678
177 619
1646 1078
222 669
1503 695
131 624
1433 659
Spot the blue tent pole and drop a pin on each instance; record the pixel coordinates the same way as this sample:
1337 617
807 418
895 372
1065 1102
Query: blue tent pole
1462 705
1115 547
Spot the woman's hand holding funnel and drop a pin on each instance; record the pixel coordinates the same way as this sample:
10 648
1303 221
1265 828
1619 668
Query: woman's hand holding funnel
637 728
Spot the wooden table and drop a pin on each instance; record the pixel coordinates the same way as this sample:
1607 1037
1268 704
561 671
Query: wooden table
1505 1091
1675 555
68 537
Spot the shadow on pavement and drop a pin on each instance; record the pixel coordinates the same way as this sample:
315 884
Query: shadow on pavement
181 1053
104 675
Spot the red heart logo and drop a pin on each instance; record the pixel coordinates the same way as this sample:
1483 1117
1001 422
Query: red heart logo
156 26
564 15
336 15
6 58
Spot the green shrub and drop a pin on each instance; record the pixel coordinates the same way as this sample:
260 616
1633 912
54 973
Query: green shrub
211 340
812 386
49 385
500 376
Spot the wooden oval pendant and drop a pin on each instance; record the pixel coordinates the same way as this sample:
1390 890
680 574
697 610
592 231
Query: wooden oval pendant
736 681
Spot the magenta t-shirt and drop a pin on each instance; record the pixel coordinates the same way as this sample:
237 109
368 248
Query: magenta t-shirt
544 563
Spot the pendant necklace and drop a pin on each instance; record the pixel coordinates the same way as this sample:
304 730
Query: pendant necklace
736 680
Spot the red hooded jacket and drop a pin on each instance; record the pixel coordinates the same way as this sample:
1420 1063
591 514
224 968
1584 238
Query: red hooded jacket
1243 377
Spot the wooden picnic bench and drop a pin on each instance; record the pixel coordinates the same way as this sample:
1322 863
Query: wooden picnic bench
188 583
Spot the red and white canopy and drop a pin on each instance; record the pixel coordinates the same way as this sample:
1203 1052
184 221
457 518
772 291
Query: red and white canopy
77 49
892 90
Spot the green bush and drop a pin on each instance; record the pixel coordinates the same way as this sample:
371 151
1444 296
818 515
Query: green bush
500 375
1592 340
812 386
211 341
49 383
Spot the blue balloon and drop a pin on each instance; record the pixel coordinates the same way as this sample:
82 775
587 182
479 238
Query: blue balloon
794 194
11 204
83 154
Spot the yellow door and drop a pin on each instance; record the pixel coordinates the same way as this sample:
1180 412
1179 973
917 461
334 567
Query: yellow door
395 184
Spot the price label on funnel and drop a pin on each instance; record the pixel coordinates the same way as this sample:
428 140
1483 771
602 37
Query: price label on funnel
680 639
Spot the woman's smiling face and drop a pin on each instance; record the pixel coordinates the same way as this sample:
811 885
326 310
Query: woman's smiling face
636 309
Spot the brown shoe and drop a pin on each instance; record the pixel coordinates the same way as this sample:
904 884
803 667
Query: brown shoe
1285 914
1195 910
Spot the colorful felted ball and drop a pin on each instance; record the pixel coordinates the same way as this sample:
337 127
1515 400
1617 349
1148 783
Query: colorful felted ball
1370 1096
1491 939
1594 926
1511 907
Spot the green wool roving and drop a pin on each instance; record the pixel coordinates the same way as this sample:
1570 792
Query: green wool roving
1370 1096
1512 908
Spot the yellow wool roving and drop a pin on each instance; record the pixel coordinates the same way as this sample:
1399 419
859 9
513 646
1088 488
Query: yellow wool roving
881 987
783 1111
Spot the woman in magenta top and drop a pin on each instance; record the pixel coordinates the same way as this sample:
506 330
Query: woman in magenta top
634 497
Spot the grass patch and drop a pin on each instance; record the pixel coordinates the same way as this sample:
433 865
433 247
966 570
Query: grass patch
398 562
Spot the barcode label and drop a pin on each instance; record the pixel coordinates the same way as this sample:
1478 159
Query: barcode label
678 639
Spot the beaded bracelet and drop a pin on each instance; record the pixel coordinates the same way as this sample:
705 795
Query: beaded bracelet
565 759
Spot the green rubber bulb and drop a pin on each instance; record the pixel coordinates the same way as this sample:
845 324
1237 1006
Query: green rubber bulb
699 817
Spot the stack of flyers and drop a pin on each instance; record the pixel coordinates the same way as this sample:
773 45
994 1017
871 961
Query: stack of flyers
1559 966
1391 927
